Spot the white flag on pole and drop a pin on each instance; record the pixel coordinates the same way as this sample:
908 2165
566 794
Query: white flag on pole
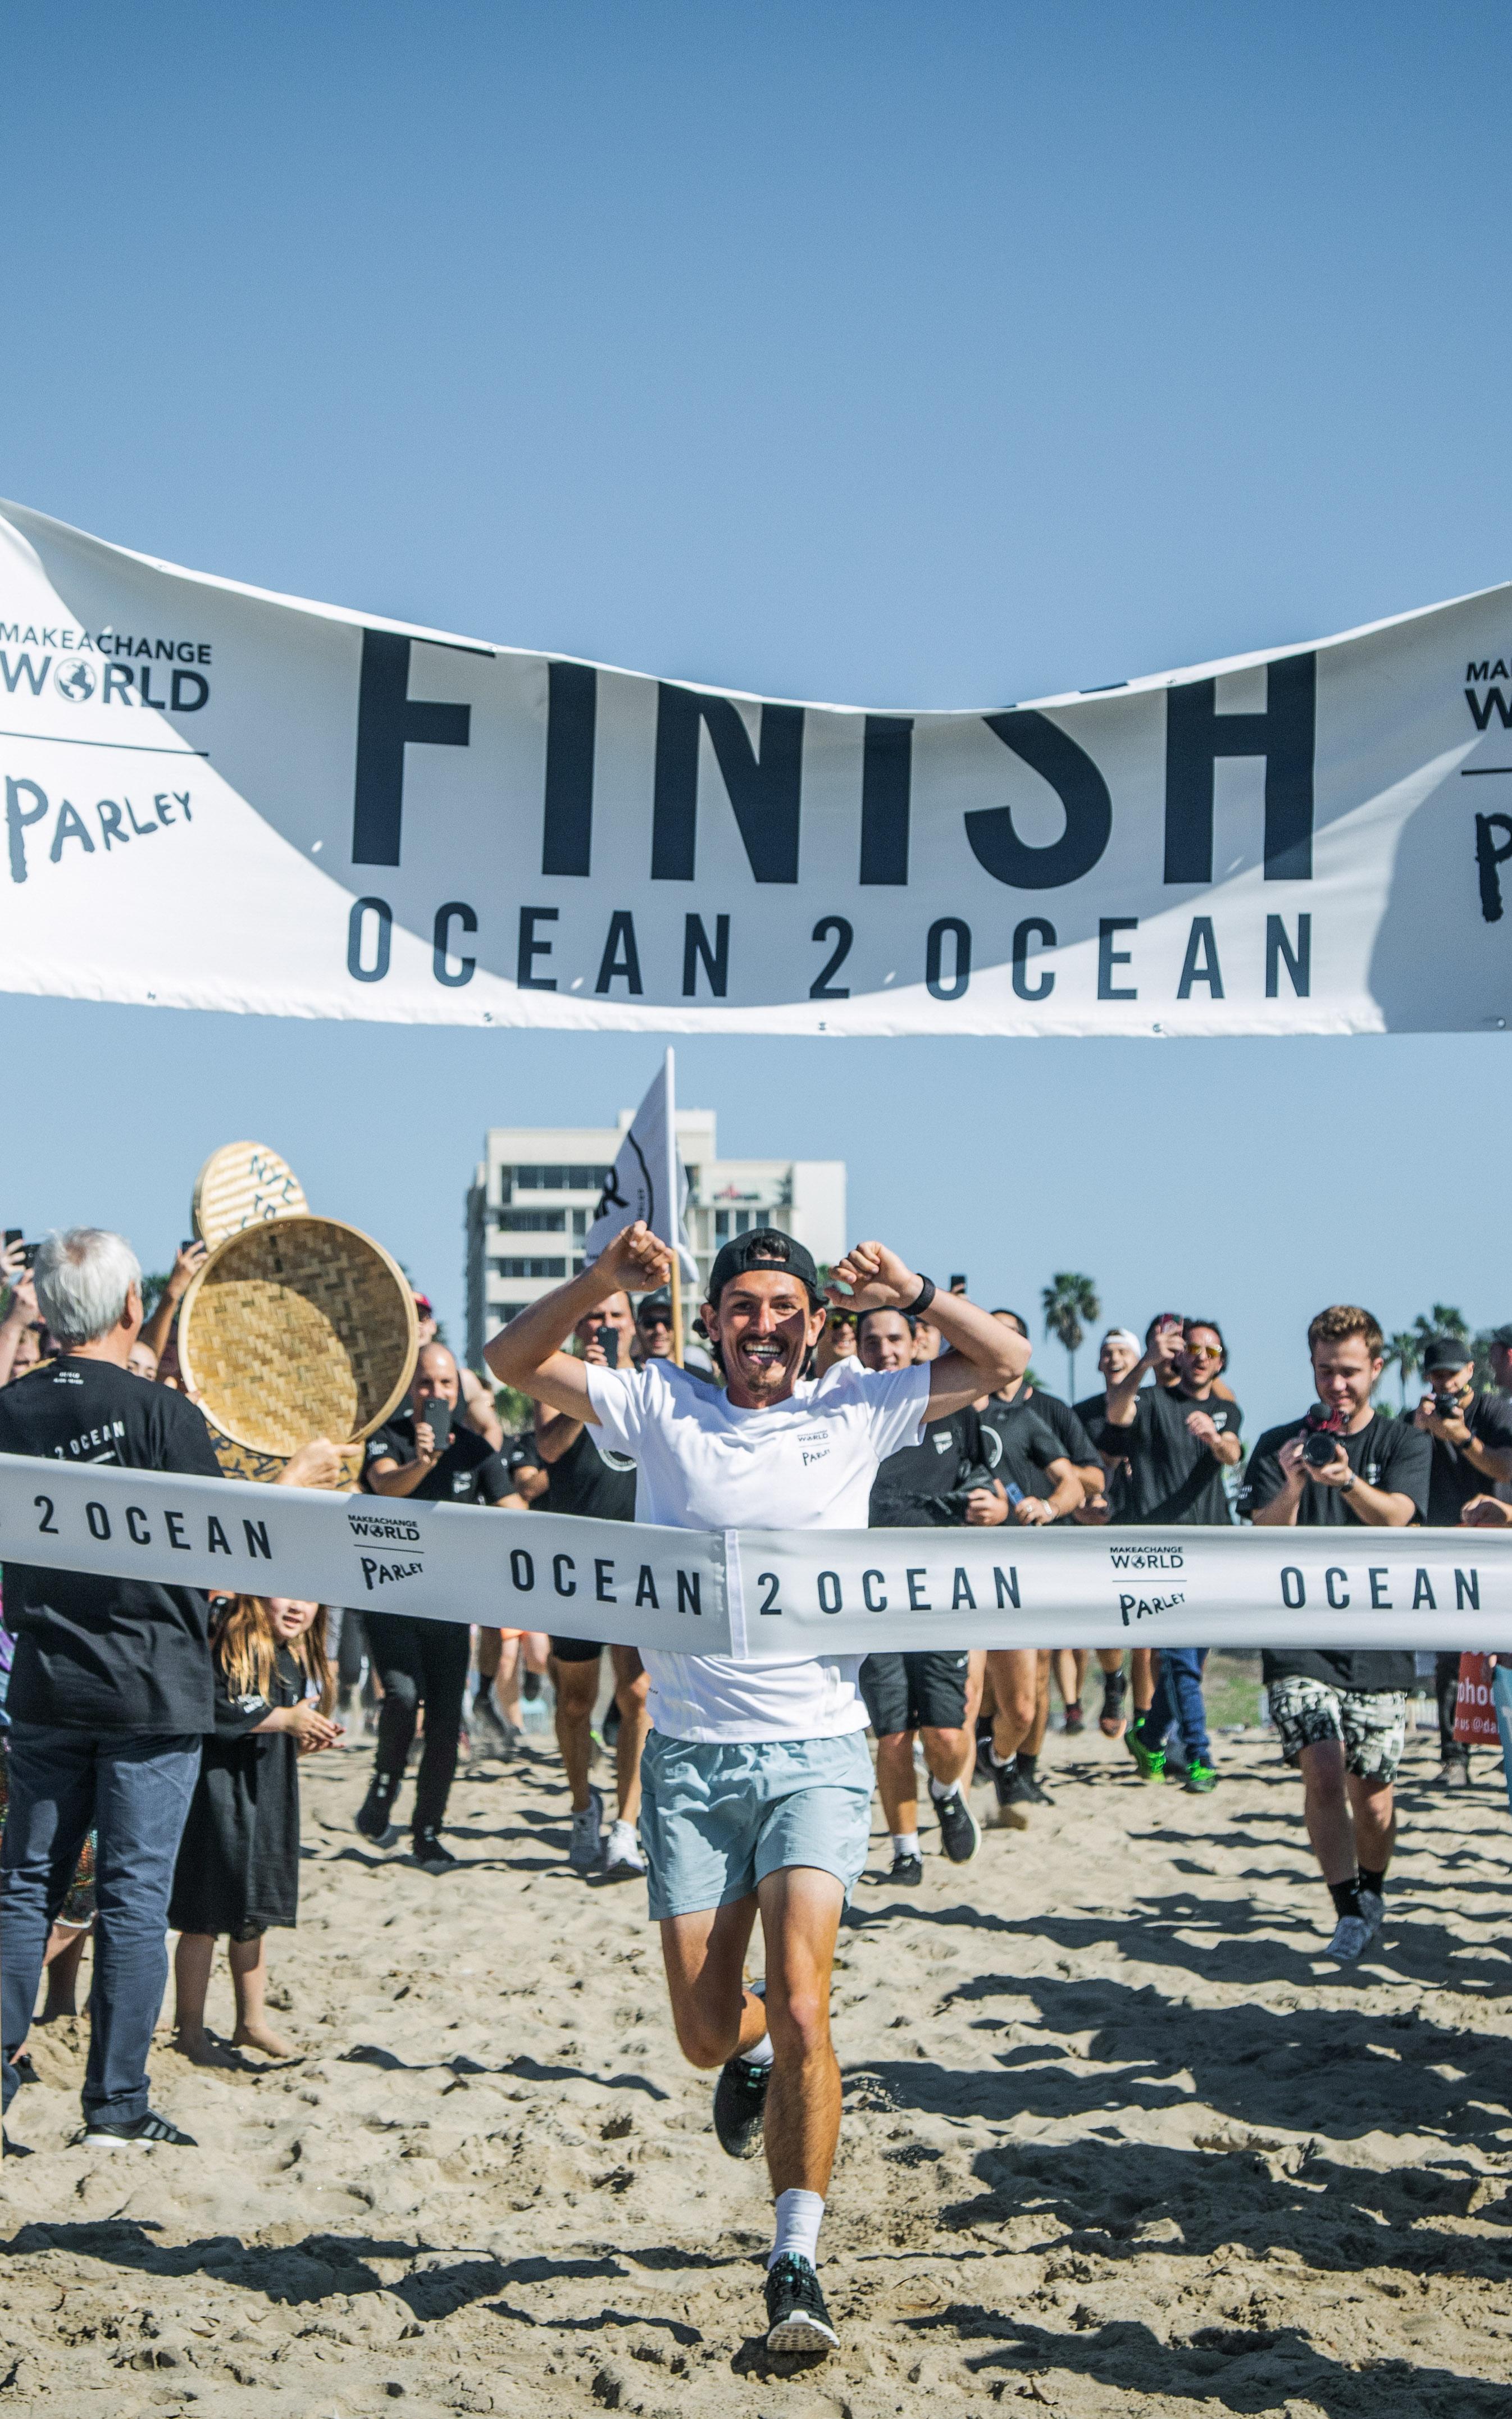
648 1180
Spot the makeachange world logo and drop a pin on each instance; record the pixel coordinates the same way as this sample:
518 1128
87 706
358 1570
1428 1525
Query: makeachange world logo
390 1549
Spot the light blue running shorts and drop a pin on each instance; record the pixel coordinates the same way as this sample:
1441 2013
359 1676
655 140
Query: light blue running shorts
716 1818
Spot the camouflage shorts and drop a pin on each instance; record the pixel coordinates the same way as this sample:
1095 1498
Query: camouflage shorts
1372 1725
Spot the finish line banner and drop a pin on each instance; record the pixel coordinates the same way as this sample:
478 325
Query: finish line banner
221 798
768 1592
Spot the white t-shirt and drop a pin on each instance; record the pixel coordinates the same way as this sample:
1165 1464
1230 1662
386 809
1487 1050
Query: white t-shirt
807 1463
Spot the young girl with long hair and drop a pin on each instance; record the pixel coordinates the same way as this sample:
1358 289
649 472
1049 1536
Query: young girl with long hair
238 1863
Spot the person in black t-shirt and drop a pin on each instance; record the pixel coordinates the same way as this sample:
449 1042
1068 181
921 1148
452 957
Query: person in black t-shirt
111 1692
1179 1436
1068 1664
1179 1440
948 1480
1471 1448
588 1479
1341 1712
1117 1354
419 1455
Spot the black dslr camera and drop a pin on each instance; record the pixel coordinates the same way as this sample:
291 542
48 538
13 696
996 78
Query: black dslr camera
1322 1439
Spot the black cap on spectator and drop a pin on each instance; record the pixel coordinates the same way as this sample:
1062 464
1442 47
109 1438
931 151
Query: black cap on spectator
655 1309
1502 1335
1447 1352
764 1247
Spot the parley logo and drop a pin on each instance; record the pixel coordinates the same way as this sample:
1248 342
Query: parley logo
75 681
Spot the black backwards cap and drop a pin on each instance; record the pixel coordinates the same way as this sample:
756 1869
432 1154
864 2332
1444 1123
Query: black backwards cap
1447 1352
764 1247
654 1307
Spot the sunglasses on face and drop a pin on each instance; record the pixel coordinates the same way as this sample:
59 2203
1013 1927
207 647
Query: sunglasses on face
1204 1352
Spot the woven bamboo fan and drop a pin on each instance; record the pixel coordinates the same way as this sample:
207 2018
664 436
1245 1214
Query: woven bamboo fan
243 1185
296 1327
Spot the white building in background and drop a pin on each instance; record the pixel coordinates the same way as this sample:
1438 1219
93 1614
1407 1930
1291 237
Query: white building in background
536 1188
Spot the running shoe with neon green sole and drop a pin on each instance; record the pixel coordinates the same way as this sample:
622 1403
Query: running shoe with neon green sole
1200 1778
1150 1760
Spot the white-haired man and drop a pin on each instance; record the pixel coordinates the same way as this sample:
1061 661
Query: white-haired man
110 1693
757 1785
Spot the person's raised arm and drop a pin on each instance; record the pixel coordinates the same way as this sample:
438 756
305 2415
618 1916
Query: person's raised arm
21 1313
527 1354
984 1355
187 1262
1123 1393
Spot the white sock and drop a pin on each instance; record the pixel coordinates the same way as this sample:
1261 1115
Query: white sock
798 2215
941 1790
999 1763
763 2054
905 1843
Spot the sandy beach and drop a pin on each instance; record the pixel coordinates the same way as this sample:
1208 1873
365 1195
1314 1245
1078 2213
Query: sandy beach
1117 2138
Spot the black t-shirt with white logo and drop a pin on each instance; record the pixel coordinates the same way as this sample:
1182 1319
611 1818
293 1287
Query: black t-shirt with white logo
1453 1480
1172 1479
1385 1454
106 1654
925 1485
590 1481
468 1471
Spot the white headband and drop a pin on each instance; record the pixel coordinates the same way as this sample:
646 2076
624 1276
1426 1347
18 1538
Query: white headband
1123 1335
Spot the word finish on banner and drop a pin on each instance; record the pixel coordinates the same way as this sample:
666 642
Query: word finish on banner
218 797
759 1593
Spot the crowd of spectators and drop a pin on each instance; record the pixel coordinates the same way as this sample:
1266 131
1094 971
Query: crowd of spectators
115 1696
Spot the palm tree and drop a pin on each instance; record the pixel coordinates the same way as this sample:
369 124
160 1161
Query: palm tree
1067 1300
1403 1354
1444 1319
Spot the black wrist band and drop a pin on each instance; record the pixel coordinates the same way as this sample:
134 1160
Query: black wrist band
925 1295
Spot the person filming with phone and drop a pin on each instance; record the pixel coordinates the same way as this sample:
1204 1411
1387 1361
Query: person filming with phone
1341 1712
423 1453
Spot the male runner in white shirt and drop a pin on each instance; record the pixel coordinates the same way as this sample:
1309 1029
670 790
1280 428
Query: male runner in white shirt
757 1783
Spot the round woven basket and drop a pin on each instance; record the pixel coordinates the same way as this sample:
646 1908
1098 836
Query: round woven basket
240 1185
296 1327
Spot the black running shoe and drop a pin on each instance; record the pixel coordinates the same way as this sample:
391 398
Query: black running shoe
1011 1798
960 1836
796 2319
142 2133
431 1854
375 1816
740 2105
906 1871
1031 1792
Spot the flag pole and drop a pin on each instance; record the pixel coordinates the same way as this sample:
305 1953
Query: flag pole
676 1220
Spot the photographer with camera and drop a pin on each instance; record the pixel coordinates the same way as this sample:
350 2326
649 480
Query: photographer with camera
425 1453
587 1477
1472 1447
1341 1712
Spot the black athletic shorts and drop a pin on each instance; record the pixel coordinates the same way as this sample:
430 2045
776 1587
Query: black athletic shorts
577 1650
911 1692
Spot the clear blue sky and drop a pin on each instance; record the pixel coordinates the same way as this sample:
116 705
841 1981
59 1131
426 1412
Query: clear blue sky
900 355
